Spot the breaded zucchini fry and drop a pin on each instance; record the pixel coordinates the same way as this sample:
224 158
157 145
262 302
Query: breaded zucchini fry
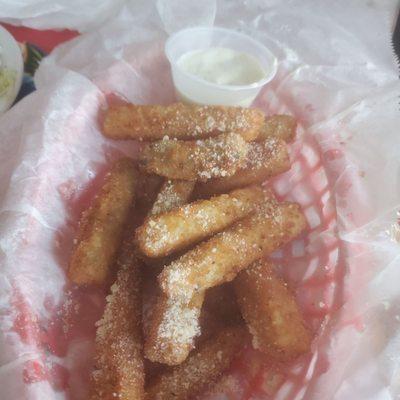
172 329
101 226
280 127
180 121
264 160
161 345
198 159
201 369
119 343
271 313
223 256
167 233
119 363
173 193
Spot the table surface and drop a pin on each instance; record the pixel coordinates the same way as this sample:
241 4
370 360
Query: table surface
44 39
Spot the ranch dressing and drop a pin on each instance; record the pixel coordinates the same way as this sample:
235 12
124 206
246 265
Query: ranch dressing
222 66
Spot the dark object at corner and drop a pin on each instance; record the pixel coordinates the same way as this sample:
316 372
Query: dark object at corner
32 58
396 38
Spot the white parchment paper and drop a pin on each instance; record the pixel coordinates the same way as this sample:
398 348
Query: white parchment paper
337 75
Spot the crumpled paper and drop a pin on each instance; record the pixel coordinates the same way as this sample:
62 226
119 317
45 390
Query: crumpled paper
337 75
87 15
81 15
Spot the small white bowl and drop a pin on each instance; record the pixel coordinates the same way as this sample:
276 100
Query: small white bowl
192 89
11 69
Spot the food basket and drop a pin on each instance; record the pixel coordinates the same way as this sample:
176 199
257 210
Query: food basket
53 159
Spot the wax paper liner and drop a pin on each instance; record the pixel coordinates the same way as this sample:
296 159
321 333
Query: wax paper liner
344 270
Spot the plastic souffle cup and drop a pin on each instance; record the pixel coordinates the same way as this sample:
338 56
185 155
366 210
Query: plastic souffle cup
193 89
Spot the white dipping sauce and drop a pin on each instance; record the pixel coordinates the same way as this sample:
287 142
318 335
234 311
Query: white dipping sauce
222 66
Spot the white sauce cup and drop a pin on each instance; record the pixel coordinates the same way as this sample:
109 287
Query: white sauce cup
193 89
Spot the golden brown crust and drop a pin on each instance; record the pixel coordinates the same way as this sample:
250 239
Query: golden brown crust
180 121
278 126
119 364
264 160
195 160
173 193
167 233
271 313
222 257
163 344
201 369
172 329
101 226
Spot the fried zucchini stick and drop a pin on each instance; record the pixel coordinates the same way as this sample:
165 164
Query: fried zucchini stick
198 159
167 233
271 313
280 127
161 344
223 256
201 369
101 226
180 121
173 193
119 370
172 329
264 160
119 363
